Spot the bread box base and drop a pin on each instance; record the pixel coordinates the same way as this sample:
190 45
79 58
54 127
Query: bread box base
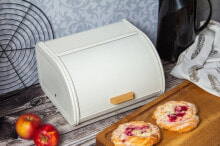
118 110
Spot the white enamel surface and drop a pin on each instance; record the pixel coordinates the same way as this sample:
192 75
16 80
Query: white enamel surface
110 70
86 38
99 64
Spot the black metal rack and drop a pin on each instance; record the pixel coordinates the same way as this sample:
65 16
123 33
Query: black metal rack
22 25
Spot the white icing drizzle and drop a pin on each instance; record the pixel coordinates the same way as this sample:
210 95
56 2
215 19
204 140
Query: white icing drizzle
119 133
162 112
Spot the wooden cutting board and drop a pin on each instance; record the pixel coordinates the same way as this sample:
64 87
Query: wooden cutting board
206 134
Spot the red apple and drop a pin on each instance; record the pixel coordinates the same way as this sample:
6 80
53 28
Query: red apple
46 135
27 124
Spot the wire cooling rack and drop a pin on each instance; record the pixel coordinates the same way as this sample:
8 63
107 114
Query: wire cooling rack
22 25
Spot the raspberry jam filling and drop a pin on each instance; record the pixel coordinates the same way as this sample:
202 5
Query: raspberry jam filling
172 118
128 131
181 108
179 112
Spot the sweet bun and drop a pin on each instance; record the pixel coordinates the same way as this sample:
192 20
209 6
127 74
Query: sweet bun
136 133
177 116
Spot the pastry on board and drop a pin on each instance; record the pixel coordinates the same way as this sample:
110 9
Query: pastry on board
177 116
136 133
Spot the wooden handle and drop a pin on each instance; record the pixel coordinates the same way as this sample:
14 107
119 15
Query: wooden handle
122 98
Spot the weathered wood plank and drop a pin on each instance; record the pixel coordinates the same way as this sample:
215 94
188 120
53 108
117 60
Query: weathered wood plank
16 101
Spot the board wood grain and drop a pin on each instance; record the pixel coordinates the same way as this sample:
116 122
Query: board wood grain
207 132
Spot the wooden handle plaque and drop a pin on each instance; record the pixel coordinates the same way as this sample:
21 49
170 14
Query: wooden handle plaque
122 98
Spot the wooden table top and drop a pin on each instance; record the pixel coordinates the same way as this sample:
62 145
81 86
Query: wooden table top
33 100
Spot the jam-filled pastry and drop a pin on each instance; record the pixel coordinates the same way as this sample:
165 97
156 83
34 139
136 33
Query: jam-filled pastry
177 116
136 133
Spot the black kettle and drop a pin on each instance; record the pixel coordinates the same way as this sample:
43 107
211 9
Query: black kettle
177 27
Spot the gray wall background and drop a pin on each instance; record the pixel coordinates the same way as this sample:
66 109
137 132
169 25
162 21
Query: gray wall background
72 16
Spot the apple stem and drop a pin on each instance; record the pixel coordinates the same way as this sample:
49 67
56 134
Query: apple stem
29 118
44 138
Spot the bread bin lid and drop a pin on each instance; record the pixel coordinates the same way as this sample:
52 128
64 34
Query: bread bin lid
102 63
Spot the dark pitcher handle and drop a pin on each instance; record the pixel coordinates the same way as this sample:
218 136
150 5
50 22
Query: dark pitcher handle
197 30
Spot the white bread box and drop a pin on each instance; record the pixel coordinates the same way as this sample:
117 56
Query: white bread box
84 74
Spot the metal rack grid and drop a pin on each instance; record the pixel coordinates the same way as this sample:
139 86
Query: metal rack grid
22 25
